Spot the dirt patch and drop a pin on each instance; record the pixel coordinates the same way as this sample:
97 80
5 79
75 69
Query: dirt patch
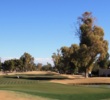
75 81
9 95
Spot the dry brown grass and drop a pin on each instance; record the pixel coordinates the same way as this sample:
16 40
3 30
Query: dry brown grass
94 80
30 72
9 95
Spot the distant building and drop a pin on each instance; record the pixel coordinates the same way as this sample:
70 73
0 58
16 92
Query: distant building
104 72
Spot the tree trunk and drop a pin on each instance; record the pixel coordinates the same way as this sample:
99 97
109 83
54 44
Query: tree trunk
88 67
86 74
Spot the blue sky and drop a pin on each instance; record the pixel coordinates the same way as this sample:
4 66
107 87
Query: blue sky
40 27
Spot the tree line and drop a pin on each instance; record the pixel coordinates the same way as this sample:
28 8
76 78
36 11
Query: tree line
23 64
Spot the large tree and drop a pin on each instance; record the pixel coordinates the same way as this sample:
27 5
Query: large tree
92 43
65 59
57 60
27 62
17 65
8 65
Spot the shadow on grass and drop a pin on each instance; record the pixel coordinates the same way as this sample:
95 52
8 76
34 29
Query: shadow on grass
38 74
37 77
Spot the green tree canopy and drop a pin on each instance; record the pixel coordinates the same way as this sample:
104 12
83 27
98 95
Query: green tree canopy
92 43
92 47
27 62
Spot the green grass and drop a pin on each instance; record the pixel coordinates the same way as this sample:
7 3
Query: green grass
43 88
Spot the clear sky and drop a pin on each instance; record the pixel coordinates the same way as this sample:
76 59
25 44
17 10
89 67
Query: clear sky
40 27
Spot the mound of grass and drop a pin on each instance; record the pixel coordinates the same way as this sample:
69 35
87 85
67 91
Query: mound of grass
52 90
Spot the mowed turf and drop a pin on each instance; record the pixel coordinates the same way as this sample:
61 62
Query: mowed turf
32 84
